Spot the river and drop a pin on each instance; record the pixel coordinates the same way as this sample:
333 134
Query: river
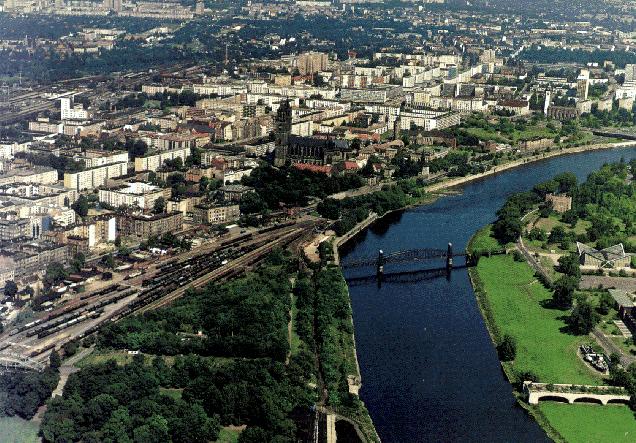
429 370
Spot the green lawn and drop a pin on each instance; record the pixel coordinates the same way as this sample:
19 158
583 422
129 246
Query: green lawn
530 133
548 224
17 430
483 241
514 297
172 393
99 356
486 135
228 435
580 423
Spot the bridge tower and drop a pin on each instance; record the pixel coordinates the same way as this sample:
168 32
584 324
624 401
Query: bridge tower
449 256
380 263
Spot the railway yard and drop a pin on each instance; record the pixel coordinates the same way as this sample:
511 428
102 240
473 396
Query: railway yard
160 283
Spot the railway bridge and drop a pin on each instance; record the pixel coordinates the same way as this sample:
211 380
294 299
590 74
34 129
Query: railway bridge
409 256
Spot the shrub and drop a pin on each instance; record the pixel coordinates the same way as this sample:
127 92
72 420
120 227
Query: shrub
507 349
605 303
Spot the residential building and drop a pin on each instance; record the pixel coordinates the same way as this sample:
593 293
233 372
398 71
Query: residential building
210 214
76 112
311 62
154 161
142 226
41 175
93 178
134 194
234 193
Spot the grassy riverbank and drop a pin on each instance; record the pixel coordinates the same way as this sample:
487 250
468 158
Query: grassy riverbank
514 303
518 305
590 423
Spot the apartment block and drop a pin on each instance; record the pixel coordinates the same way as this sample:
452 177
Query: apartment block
95 177
155 161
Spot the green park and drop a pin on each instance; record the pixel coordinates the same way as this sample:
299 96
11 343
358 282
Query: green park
535 306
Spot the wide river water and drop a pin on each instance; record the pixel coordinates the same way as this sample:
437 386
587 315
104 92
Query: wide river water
429 369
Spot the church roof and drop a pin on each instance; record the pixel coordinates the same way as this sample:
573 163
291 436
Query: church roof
312 142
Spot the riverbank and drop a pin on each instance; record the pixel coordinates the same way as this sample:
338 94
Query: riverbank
360 417
451 183
514 303
444 187
400 326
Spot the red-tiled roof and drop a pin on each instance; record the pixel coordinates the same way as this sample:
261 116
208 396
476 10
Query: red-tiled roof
350 165
314 168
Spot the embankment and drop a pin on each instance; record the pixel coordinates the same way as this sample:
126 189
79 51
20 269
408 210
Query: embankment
450 183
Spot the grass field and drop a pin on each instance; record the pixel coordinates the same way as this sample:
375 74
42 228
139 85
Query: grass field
483 241
97 357
515 300
548 224
17 430
172 393
228 435
531 132
591 423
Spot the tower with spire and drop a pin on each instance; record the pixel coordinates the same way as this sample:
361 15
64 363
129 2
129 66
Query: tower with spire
283 124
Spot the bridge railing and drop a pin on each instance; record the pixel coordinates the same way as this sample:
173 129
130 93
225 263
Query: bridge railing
405 256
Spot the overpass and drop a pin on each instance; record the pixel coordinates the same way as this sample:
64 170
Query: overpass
571 394
11 361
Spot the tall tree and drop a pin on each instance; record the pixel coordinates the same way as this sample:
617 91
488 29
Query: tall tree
81 206
10 289
583 318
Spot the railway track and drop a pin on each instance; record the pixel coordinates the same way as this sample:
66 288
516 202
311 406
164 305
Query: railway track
229 270
170 282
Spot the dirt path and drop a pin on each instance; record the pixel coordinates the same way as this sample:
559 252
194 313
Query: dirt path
290 325
68 367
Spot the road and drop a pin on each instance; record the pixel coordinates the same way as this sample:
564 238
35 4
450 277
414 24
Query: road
611 348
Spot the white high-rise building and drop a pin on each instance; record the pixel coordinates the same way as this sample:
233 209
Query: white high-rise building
76 112
630 72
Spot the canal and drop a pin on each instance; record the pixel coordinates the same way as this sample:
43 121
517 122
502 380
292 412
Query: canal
429 370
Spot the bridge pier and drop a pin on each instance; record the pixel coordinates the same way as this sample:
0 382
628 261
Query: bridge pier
449 256
380 264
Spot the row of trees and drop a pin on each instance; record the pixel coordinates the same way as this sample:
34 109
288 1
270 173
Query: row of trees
350 211
334 332
292 187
